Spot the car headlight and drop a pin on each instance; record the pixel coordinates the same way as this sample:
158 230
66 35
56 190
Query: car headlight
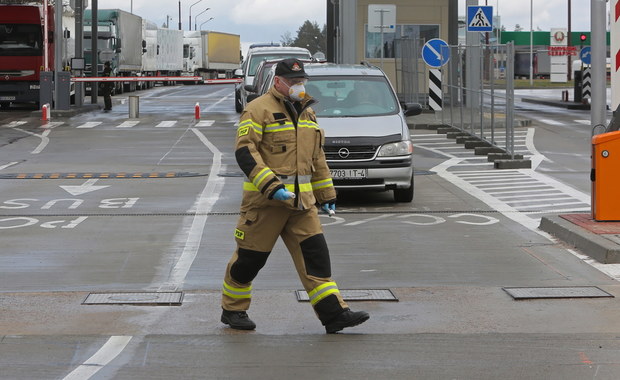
402 148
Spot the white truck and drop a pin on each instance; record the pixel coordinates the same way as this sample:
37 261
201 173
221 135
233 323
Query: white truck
210 54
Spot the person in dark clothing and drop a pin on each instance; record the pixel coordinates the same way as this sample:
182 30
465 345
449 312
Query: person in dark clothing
107 87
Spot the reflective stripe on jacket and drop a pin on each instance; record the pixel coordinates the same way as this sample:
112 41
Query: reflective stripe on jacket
277 148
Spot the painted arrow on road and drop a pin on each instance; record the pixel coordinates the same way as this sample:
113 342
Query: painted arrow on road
84 188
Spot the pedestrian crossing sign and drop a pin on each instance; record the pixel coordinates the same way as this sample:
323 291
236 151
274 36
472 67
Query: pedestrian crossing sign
479 18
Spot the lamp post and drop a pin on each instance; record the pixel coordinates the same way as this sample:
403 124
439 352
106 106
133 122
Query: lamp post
531 43
205 22
168 17
190 14
196 18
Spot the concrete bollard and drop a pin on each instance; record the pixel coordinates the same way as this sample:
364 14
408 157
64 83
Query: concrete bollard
45 112
197 111
134 107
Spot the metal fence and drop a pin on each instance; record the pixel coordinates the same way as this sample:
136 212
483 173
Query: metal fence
481 105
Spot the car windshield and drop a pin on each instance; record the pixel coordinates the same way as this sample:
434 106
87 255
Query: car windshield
351 96
257 59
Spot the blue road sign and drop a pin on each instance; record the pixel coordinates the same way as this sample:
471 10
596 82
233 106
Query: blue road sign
586 55
436 52
479 18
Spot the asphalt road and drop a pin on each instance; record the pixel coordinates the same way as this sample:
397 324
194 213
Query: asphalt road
92 203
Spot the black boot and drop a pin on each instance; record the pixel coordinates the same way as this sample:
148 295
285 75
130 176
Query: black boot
347 318
238 320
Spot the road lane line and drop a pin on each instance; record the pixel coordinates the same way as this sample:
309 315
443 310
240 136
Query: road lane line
108 352
367 220
90 124
203 205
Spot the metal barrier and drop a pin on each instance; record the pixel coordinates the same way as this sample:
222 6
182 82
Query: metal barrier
134 107
480 106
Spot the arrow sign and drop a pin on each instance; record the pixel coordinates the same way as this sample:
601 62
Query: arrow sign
586 55
84 188
436 52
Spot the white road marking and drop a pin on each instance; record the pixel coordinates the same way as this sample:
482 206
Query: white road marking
585 122
128 124
108 352
9 165
14 124
166 124
367 220
90 124
203 205
204 123
550 121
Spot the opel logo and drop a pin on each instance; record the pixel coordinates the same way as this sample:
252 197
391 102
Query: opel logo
343 153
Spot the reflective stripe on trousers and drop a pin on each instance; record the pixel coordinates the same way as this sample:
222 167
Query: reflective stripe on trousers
233 292
322 291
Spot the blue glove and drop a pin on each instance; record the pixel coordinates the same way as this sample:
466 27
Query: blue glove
329 207
283 195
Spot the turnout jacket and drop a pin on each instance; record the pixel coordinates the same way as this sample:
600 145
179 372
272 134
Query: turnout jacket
279 146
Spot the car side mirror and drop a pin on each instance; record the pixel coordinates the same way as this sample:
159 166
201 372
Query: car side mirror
251 97
249 88
413 109
238 73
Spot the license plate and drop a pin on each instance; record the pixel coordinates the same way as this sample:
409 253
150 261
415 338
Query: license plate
7 98
348 173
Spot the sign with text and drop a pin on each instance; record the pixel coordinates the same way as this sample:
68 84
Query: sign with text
382 15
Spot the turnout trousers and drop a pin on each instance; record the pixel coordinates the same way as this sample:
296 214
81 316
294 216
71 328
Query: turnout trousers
257 232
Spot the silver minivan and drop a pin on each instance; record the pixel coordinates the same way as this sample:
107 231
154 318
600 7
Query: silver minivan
367 141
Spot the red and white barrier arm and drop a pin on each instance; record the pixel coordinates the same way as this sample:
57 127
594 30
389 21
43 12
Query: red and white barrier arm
154 79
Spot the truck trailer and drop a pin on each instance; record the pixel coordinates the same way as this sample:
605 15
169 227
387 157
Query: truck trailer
210 54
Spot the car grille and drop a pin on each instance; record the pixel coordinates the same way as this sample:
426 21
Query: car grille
355 152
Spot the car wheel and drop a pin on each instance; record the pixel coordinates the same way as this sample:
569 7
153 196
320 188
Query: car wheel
238 105
404 195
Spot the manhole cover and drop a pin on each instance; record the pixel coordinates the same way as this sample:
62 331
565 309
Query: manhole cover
231 174
136 298
557 292
356 295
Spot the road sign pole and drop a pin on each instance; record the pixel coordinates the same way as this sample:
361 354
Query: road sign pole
598 109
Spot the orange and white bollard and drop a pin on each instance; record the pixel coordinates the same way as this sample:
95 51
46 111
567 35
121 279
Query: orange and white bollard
197 111
45 112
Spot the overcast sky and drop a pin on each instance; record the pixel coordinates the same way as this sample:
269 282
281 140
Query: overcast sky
268 20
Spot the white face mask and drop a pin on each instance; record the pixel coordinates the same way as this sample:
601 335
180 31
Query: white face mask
296 92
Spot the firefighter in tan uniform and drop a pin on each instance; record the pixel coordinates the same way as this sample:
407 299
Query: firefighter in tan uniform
279 148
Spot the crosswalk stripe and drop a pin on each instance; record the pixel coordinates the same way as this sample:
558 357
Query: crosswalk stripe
127 124
205 123
90 124
166 124
14 124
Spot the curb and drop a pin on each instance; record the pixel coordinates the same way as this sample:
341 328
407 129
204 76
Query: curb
600 249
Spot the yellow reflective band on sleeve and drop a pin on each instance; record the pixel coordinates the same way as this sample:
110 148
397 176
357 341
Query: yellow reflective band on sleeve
277 127
307 124
249 186
322 291
322 184
260 177
233 292
250 123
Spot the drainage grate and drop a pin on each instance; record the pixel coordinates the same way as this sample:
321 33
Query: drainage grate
356 295
557 292
135 298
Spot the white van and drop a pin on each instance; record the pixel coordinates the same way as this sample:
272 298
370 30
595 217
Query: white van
253 58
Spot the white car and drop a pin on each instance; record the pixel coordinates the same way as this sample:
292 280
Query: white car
251 62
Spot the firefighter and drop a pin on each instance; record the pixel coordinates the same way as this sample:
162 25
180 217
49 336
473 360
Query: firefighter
279 147
107 87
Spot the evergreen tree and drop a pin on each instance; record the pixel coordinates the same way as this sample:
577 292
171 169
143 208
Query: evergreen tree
309 36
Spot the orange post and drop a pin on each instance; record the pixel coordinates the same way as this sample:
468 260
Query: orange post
45 112
605 178
197 111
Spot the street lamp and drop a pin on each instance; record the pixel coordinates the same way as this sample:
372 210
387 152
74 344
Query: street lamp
205 22
196 18
190 14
